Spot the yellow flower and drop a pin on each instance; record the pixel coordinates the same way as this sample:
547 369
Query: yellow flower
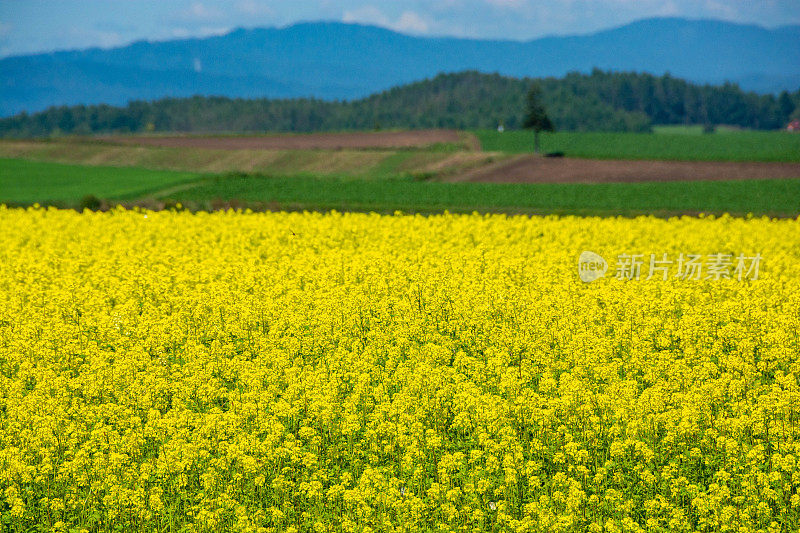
307 371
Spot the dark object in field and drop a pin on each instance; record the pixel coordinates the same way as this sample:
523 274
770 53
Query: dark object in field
554 154
91 202
536 118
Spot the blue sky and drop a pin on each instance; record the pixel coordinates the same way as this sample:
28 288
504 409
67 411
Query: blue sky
28 26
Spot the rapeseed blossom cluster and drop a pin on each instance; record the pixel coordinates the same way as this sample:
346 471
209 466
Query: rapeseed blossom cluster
361 372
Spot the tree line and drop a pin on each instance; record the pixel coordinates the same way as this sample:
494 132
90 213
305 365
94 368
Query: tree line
599 101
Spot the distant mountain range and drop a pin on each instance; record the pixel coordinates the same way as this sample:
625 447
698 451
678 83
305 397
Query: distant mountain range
329 60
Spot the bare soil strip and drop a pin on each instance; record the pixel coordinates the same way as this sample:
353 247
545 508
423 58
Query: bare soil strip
533 169
312 141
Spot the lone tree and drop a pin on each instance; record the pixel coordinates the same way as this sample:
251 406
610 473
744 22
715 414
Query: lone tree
536 118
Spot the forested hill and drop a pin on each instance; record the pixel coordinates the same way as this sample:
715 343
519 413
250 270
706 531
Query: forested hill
600 101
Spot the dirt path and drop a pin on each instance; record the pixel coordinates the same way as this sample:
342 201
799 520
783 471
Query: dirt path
312 141
532 169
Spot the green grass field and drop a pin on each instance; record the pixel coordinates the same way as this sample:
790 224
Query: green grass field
673 146
26 182
735 197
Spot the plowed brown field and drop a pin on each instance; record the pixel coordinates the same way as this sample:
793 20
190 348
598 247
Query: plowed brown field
532 169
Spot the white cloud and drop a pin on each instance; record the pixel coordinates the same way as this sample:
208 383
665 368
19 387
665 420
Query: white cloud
180 32
99 38
366 15
721 9
668 9
109 39
408 22
411 22
253 8
208 31
199 12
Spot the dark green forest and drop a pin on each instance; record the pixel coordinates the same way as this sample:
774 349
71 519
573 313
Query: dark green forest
600 101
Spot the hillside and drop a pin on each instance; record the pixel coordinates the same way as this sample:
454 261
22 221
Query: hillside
348 61
601 101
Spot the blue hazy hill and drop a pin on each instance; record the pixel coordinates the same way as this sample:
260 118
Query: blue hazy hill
332 60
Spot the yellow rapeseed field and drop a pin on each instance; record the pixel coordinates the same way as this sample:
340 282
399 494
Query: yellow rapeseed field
169 371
